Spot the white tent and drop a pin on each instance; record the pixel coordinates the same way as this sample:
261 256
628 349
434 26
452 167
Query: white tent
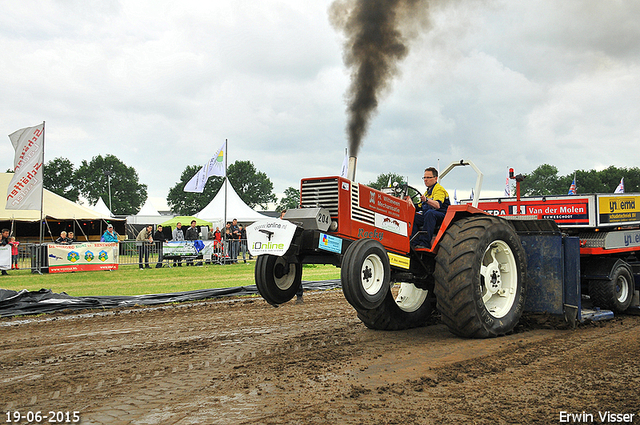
148 209
148 214
101 208
236 208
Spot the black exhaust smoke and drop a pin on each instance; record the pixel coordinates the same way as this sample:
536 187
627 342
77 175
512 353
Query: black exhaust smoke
377 36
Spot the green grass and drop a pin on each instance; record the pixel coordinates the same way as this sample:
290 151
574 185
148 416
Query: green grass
129 280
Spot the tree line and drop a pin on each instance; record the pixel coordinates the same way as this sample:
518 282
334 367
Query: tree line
545 181
92 180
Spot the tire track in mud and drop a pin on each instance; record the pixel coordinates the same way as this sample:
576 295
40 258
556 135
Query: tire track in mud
149 363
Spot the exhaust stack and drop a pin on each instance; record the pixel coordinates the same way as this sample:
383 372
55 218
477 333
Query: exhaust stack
351 172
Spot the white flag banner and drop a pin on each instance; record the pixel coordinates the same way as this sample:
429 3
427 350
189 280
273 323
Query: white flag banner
620 188
213 167
25 190
197 182
345 166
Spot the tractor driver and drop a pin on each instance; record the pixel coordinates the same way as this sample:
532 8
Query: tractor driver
431 209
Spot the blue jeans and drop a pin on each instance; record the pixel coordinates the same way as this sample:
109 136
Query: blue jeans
235 248
426 221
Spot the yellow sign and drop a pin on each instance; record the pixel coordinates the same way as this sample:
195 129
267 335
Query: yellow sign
619 208
399 260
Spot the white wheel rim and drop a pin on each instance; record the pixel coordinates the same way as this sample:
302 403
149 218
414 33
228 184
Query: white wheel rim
499 274
410 298
622 289
284 281
372 274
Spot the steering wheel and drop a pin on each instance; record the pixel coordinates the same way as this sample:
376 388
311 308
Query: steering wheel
403 190
414 194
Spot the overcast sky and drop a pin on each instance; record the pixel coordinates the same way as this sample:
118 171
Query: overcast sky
161 85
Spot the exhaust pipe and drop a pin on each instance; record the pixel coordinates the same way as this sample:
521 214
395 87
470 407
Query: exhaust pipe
351 172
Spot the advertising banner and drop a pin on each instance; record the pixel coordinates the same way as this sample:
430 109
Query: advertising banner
25 190
618 208
83 257
572 210
380 202
188 249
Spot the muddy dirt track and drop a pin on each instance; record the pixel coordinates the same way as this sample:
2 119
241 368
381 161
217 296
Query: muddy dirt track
243 361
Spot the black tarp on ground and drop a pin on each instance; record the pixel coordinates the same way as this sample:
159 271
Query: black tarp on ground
14 303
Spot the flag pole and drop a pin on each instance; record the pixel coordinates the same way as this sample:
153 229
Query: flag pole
226 180
39 260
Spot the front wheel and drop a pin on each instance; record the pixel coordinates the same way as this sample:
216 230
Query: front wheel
480 277
277 279
365 274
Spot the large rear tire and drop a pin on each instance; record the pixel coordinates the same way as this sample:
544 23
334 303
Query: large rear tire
615 294
277 280
480 277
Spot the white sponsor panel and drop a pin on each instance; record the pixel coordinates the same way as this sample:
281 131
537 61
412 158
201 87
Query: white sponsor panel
5 257
272 237
187 249
391 224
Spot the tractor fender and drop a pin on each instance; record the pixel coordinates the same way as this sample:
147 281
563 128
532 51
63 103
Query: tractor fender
602 268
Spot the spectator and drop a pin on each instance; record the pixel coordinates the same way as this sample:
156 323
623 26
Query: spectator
4 241
159 239
14 252
177 235
192 235
110 235
63 239
282 213
71 237
243 242
217 238
227 239
144 240
235 241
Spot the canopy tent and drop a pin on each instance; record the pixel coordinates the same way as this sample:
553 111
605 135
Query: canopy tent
148 209
101 208
236 208
59 214
148 214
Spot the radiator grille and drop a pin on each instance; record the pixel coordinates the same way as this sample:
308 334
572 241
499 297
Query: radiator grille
357 212
320 193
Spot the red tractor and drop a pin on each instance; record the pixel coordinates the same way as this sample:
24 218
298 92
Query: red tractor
475 272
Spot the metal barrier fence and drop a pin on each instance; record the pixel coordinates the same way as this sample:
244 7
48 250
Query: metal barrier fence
129 254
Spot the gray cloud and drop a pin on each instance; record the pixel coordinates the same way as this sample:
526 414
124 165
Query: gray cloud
162 84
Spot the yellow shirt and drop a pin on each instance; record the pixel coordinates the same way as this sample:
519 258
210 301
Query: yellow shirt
437 193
